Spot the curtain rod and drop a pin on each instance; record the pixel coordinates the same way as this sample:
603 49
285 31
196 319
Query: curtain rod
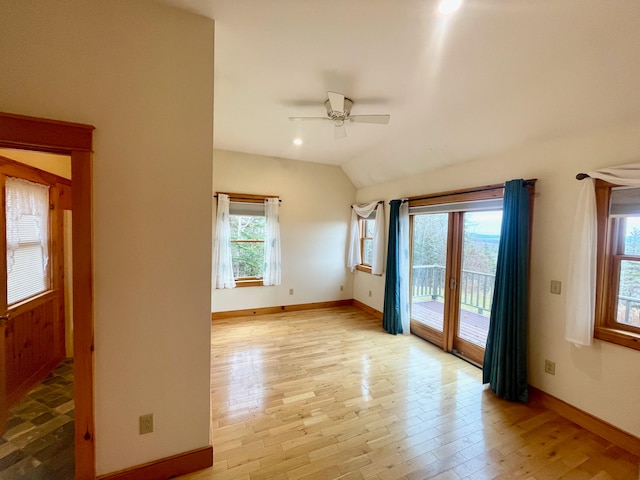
235 201
379 201
582 176
476 190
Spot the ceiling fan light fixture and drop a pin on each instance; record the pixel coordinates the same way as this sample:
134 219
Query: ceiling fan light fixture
449 6
297 141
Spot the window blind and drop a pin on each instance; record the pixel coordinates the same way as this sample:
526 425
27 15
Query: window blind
27 225
474 206
624 202
246 209
26 270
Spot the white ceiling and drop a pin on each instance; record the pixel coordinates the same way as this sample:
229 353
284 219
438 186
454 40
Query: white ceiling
494 75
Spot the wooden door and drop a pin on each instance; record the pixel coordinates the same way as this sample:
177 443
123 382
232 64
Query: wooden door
452 277
479 239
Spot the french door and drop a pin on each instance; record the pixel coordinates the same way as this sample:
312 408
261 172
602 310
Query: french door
453 264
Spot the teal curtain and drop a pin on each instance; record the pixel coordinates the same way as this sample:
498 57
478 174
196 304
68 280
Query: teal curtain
391 316
505 357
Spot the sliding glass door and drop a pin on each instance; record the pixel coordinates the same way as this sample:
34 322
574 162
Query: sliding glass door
454 257
428 277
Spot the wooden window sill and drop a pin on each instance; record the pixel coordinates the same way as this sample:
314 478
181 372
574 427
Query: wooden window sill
363 268
617 336
249 283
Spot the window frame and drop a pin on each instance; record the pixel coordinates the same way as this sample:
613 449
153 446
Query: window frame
248 198
608 258
48 275
362 227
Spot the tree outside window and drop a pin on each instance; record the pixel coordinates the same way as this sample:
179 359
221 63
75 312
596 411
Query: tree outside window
247 246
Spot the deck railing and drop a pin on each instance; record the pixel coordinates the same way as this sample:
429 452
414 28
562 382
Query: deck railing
476 289
628 310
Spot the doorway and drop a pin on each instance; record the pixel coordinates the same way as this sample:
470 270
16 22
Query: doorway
75 140
36 188
454 251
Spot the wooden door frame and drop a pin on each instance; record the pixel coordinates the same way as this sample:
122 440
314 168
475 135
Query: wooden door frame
75 140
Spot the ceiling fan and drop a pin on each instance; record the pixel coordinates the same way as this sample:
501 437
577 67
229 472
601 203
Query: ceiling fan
339 112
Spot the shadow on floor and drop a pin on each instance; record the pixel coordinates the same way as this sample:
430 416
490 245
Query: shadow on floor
39 443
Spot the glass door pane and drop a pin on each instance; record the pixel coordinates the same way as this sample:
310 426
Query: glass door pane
429 260
481 236
628 309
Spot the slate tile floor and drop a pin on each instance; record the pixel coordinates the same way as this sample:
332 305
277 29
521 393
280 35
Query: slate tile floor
38 443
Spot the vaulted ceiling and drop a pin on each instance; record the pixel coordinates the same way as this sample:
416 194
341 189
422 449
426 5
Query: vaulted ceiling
494 75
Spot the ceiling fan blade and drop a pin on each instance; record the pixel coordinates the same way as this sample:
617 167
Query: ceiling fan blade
337 102
340 131
304 119
381 119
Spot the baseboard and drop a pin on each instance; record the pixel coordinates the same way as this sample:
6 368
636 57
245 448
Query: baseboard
368 309
166 468
283 308
599 427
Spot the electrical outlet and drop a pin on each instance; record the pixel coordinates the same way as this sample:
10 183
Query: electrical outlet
291 291
556 287
342 288
146 423
369 292
550 367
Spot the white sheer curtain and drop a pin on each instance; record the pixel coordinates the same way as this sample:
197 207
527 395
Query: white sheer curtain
581 285
355 257
403 245
27 223
24 198
222 267
272 258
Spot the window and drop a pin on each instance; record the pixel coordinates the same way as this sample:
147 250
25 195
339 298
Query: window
247 224
366 241
618 269
246 245
27 206
366 238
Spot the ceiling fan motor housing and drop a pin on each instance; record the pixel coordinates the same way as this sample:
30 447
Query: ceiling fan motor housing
339 117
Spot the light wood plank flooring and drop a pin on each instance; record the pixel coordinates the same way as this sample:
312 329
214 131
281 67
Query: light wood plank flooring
327 394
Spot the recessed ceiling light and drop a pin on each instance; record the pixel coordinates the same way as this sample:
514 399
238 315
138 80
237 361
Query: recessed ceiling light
297 141
449 6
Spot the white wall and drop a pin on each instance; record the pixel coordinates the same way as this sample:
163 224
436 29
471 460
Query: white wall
142 73
314 220
603 380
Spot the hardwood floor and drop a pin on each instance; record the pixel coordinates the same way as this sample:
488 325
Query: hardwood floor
327 394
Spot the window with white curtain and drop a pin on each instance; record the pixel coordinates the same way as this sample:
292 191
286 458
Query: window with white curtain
366 239
247 223
248 254
27 221
618 304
